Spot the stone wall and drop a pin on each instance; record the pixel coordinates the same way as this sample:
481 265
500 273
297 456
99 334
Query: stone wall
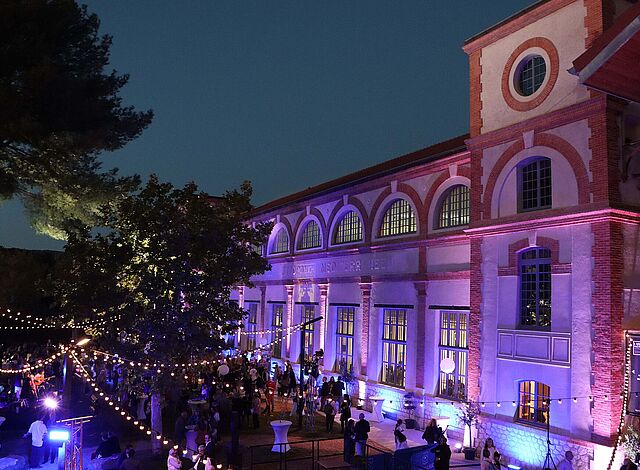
526 446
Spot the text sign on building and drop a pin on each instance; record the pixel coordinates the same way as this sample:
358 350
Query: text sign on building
368 264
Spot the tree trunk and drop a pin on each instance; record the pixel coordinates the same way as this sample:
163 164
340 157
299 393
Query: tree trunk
156 422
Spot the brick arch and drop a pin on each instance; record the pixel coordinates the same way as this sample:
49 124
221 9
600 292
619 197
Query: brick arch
543 242
556 143
444 176
315 212
363 213
405 190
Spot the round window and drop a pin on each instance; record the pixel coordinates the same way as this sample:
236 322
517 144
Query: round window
530 75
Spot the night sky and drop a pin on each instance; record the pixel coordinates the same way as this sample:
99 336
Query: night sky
286 94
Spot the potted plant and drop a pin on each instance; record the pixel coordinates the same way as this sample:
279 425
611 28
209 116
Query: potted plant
468 414
410 405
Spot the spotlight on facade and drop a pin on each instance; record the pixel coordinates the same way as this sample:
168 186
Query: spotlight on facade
513 467
458 447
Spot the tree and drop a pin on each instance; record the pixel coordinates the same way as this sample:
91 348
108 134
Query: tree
60 110
165 260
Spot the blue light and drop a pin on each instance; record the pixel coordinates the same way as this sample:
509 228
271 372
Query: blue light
59 435
512 466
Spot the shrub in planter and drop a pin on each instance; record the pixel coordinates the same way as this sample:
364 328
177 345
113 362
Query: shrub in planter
410 404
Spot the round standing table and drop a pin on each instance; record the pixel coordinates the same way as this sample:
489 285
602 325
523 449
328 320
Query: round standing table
376 416
280 429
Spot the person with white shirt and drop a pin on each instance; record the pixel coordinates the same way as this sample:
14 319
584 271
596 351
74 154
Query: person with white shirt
566 464
37 430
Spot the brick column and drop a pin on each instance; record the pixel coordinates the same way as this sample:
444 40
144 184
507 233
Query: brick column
262 324
421 311
608 335
324 306
365 305
288 319
475 327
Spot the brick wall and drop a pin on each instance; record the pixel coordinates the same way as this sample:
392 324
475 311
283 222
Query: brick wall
475 326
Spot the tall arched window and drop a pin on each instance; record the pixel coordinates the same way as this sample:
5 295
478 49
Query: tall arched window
534 185
349 229
310 237
454 208
533 402
535 288
399 219
280 242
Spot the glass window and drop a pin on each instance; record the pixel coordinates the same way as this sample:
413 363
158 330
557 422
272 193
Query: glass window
276 323
535 185
280 242
310 237
535 288
454 209
454 333
308 313
394 347
533 402
530 75
345 317
349 229
398 219
252 324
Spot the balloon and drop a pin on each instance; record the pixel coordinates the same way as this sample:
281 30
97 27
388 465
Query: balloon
447 365
223 369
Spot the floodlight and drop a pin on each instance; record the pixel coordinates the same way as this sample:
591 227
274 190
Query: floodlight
51 403
59 435
83 341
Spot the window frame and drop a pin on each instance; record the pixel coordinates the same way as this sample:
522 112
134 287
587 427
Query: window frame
454 343
521 170
277 320
404 222
538 262
518 80
308 330
460 202
339 223
345 334
540 403
304 236
252 326
275 242
394 347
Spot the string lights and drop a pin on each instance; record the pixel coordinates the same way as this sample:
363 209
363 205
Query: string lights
625 398
39 363
268 332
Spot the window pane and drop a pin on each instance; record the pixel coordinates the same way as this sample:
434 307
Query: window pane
344 339
281 242
454 210
535 185
394 347
276 323
453 345
349 229
535 288
533 402
310 237
399 219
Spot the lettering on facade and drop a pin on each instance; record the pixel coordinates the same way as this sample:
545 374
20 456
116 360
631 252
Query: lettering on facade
341 267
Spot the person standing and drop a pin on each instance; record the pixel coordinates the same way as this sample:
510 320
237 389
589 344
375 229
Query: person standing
130 463
361 431
399 436
345 412
180 430
38 431
349 433
173 461
432 433
567 463
495 465
256 406
443 455
329 413
200 460
487 454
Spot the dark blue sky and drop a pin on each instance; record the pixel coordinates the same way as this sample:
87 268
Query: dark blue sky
287 94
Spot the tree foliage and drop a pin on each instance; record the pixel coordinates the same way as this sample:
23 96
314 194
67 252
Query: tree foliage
60 109
166 260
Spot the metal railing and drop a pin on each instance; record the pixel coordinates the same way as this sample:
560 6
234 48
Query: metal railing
312 450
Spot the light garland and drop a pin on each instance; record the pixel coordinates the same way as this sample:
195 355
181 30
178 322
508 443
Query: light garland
38 364
625 399
26 323
268 332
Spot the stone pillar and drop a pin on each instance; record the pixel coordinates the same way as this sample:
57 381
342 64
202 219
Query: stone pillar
365 306
240 339
324 309
288 320
262 323
421 312
473 368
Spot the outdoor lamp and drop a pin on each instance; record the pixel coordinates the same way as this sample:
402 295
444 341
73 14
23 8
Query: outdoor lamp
51 403
59 435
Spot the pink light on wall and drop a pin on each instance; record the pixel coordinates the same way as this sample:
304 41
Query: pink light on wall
289 319
324 293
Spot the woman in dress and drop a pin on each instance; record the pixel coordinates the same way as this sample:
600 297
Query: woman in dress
487 457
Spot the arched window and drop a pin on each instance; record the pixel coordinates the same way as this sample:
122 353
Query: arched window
280 242
349 229
535 288
454 208
399 219
533 402
534 185
310 237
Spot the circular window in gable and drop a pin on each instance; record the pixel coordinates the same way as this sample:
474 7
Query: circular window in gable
530 74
